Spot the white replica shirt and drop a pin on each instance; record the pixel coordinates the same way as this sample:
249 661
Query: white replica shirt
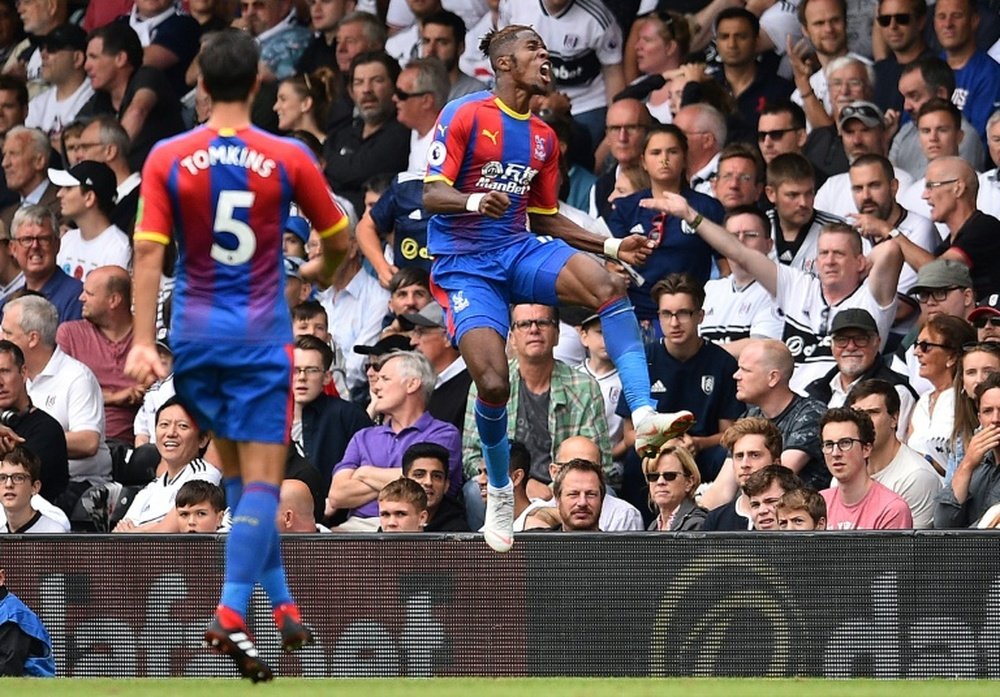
155 397
68 391
78 257
808 318
733 313
611 389
581 40
156 500
48 114
804 258
835 194
988 200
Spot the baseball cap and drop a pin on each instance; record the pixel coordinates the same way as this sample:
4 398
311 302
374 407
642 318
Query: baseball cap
393 342
854 318
65 36
298 226
96 176
292 266
942 273
990 307
430 315
865 112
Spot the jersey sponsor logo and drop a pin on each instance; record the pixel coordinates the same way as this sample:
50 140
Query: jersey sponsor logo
707 384
231 155
437 153
513 178
458 302
491 135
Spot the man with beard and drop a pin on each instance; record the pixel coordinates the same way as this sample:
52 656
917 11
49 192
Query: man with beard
579 490
442 35
373 143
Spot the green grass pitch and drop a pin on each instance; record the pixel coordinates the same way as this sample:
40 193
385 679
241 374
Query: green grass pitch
485 687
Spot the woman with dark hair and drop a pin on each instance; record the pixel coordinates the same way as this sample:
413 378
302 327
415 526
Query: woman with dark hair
303 102
938 350
977 362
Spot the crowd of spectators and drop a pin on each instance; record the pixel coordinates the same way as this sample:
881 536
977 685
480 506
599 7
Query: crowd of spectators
819 178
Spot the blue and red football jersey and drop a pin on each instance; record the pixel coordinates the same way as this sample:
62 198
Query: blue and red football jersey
224 196
480 144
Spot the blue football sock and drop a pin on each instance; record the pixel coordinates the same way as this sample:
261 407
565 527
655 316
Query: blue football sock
491 420
253 527
272 578
233 487
624 344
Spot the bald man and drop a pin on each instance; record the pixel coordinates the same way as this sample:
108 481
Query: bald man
616 514
99 341
295 509
951 190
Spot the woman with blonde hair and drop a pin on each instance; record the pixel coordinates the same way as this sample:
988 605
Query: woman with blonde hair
673 480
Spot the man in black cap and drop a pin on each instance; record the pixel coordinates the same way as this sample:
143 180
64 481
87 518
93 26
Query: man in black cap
429 336
986 318
856 351
87 197
63 52
385 345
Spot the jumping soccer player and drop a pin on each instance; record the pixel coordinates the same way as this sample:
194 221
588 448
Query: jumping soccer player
491 166
223 191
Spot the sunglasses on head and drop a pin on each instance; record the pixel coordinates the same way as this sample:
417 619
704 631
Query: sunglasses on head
885 20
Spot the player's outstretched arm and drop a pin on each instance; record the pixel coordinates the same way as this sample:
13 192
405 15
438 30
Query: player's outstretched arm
143 363
634 249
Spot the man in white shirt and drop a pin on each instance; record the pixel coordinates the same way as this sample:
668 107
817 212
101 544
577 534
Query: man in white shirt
705 128
421 92
20 482
87 197
63 52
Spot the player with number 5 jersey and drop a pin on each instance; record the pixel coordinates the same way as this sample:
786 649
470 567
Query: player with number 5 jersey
222 192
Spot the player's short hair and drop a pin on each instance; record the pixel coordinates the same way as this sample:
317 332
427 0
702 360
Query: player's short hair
679 283
405 491
425 450
200 491
229 65
762 479
803 499
447 19
22 456
837 415
790 167
749 209
938 104
308 342
119 37
867 388
497 42
37 314
409 276
578 464
754 426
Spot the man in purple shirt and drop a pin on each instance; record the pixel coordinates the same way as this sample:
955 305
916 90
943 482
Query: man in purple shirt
374 456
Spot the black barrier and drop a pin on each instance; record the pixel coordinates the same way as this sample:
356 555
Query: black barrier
878 605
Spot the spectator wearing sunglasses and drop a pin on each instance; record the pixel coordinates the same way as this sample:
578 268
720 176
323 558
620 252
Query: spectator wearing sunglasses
986 318
673 478
900 24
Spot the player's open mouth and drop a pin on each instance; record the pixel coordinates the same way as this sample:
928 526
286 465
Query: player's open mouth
545 72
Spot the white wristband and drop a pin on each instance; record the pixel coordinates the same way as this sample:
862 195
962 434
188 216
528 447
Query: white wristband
472 203
611 246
